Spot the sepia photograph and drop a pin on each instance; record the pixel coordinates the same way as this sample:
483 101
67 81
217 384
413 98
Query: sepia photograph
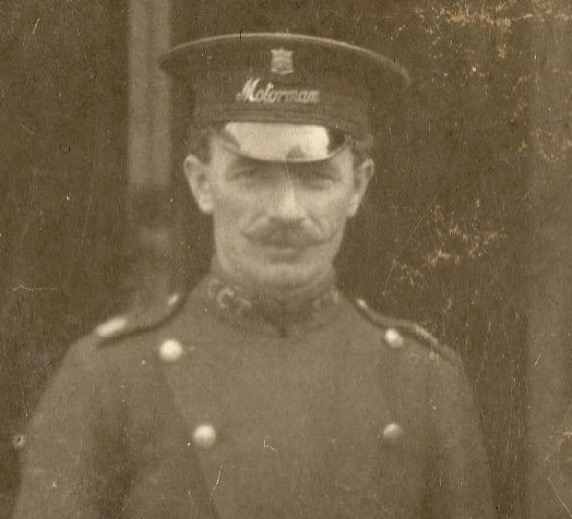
267 259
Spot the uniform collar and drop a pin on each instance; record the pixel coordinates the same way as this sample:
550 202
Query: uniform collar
267 313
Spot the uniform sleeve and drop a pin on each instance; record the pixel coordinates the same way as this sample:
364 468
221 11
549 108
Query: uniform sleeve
460 484
73 466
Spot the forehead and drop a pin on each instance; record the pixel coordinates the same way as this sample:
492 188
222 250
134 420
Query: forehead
281 142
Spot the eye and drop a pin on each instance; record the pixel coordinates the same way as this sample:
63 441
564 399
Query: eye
250 173
316 177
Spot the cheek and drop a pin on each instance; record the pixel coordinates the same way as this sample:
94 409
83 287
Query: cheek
235 207
330 212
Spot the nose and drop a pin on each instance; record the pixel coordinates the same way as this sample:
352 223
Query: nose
285 205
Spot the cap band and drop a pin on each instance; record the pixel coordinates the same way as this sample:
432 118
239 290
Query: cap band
263 98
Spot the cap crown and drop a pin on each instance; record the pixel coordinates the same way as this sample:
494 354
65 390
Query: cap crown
288 78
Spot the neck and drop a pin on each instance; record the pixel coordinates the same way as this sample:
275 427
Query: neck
283 312
274 292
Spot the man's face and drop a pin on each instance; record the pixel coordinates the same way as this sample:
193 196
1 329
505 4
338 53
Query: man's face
277 225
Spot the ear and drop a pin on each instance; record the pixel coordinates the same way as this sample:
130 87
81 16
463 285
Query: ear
362 176
197 175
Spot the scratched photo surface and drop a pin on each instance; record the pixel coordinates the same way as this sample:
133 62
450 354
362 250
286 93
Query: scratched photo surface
466 227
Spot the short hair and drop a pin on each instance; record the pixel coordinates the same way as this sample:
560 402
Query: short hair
199 139
363 149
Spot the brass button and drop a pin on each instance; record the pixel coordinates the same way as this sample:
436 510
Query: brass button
171 350
204 436
392 434
393 338
173 299
19 441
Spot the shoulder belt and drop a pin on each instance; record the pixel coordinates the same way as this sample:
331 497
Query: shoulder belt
406 328
146 319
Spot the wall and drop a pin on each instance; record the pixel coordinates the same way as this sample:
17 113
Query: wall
63 109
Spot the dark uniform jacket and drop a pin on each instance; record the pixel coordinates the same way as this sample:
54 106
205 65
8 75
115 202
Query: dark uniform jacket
230 408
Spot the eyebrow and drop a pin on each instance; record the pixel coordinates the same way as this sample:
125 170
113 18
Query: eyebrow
239 162
296 168
323 167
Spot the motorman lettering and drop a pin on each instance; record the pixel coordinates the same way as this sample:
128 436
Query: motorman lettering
269 95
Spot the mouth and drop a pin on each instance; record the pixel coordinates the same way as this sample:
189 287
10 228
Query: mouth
282 245
283 249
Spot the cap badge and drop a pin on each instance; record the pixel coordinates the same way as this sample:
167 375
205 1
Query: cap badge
281 63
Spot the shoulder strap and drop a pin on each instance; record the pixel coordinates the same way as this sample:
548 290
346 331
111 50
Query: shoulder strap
406 328
140 321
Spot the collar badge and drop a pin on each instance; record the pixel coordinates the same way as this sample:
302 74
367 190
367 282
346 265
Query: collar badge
281 63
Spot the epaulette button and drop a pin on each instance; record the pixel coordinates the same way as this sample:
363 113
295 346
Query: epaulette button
393 338
111 327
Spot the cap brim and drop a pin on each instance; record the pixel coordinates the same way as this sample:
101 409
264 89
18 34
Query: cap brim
282 142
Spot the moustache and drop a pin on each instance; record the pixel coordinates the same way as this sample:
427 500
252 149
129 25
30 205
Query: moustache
285 235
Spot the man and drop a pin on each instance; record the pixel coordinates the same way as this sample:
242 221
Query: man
265 392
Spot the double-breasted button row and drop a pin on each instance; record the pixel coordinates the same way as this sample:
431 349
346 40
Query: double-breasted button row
204 435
